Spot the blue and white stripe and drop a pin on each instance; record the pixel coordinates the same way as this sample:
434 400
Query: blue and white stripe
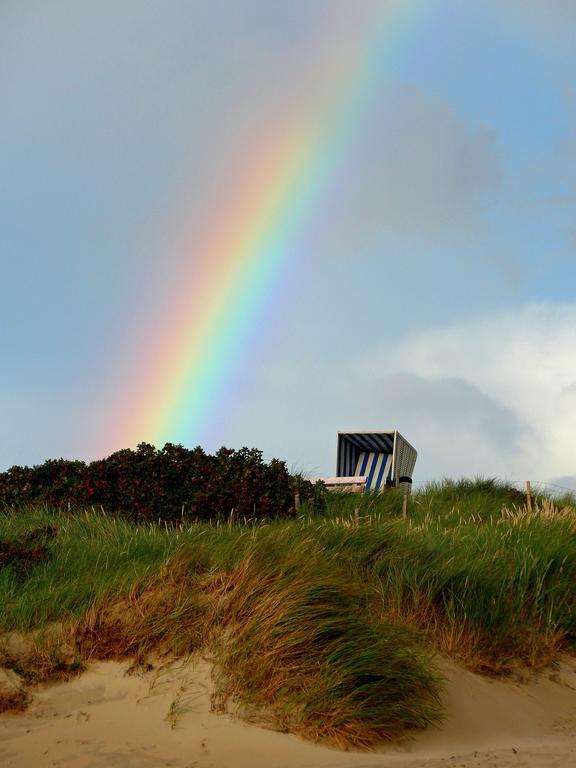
379 456
352 444
377 467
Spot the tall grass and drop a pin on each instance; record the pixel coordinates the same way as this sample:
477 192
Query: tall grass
299 641
93 556
325 625
488 582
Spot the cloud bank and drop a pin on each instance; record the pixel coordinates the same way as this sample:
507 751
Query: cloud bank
494 396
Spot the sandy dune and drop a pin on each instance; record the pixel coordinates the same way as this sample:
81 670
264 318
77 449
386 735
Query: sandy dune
108 719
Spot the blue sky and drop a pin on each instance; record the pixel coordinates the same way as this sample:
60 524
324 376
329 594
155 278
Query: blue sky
431 290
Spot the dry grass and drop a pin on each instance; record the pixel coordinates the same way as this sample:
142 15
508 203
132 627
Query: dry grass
166 616
46 654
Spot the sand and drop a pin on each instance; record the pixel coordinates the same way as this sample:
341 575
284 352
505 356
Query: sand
107 718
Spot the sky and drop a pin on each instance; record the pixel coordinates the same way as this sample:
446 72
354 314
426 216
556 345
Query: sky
426 284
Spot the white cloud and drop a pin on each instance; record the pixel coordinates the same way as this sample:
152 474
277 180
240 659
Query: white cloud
447 419
495 395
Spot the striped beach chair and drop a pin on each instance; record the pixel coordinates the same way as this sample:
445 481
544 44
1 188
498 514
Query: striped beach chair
379 459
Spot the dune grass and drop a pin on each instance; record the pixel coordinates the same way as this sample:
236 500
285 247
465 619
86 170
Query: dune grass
488 582
324 625
301 644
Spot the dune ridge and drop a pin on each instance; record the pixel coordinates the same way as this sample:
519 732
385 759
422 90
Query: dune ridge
119 717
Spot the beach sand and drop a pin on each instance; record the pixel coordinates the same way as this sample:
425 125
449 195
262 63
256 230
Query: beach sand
107 718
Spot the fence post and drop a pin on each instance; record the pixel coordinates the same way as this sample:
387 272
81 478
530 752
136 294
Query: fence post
528 496
297 502
404 505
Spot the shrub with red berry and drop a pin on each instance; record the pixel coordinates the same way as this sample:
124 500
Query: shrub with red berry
166 485
23 554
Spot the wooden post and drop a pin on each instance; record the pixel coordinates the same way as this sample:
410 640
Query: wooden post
357 517
528 496
297 502
404 505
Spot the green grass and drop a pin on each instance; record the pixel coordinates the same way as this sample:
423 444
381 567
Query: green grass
325 625
487 582
93 556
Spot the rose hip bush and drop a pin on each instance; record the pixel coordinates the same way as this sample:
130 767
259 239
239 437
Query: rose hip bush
30 550
165 484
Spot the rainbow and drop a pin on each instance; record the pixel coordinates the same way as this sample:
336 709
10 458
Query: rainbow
237 264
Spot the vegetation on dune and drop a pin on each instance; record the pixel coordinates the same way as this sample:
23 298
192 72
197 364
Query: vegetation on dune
167 485
300 643
325 625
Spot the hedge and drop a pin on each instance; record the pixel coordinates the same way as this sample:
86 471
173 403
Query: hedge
166 485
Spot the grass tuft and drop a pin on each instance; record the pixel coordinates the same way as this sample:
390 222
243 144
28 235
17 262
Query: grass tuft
299 649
